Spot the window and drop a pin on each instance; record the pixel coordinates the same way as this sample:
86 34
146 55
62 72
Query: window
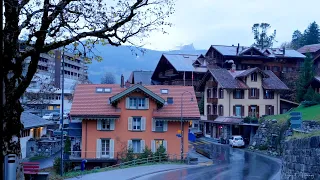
25 133
266 68
220 93
136 146
253 93
253 111
214 93
268 94
58 107
269 110
107 90
238 94
208 93
290 69
254 77
208 109
214 109
136 123
105 125
170 100
50 107
137 103
164 91
158 143
105 147
159 126
238 111
220 110
99 90
275 68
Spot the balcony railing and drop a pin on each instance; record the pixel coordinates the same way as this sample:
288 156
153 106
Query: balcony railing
169 72
211 116
211 84
212 100
181 82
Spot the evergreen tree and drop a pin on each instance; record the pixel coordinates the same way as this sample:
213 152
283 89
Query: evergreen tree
305 77
297 40
263 40
312 34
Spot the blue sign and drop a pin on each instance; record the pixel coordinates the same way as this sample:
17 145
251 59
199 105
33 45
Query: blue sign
178 135
295 120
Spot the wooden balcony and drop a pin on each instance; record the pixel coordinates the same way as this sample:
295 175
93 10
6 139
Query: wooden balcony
212 100
170 72
181 82
211 116
211 84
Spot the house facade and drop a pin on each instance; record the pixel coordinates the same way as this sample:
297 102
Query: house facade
117 117
231 95
314 51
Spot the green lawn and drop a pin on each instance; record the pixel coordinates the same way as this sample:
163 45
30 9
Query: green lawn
308 113
298 135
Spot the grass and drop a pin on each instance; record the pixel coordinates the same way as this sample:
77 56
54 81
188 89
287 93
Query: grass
308 113
37 158
298 135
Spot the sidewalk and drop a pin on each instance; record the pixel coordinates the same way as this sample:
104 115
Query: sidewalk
134 172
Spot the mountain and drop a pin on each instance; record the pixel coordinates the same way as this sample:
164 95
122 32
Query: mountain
125 59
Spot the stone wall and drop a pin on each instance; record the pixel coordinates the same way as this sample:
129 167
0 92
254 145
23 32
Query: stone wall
301 159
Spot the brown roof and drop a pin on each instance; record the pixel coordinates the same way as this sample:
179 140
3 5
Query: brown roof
273 82
250 71
309 48
226 80
87 102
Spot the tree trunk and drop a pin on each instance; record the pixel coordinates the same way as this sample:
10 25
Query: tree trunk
12 130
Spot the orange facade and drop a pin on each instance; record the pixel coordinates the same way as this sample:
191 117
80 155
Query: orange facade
121 135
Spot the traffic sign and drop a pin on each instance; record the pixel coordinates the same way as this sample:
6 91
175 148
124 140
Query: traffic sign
178 135
179 131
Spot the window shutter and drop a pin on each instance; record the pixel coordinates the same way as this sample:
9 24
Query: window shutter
153 146
272 110
222 93
242 111
98 150
142 145
234 110
267 110
153 124
165 145
143 123
234 94
258 93
165 126
127 103
249 94
98 125
111 148
147 103
130 123
264 94
112 124
129 144
258 115
221 110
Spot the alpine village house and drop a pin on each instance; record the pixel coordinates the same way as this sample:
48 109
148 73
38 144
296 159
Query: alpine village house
115 117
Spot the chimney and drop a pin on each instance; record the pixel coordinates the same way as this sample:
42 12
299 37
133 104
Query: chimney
122 81
238 48
233 67
284 50
127 84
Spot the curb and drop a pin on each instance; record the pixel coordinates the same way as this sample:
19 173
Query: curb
165 170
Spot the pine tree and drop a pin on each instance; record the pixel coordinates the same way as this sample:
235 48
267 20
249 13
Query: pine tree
297 40
305 77
312 34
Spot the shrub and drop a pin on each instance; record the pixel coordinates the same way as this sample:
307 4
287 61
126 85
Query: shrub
129 155
57 165
146 153
161 153
263 147
67 146
309 103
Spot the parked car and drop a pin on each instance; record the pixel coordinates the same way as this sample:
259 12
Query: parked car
52 116
236 141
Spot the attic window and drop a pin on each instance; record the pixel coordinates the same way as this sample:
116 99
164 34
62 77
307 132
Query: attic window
99 90
170 100
164 91
107 90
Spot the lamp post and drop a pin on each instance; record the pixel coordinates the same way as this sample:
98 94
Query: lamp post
181 121
62 111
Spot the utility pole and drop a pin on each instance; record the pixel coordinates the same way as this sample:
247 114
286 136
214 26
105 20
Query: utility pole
62 110
2 101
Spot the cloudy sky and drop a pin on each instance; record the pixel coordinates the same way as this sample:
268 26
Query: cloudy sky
227 22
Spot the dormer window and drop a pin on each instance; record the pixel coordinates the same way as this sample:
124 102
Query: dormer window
170 100
254 77
107 90
164 91
99 90
103 90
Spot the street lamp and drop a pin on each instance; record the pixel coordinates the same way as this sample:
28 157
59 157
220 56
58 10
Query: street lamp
181 123
62 111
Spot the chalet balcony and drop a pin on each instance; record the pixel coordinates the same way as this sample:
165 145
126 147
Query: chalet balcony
170 72
211 116
181 82
211 84
212 100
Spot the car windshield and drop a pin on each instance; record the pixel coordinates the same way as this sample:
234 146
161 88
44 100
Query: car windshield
47 115
238 138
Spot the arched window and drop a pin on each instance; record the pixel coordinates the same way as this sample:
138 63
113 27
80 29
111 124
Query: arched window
220 109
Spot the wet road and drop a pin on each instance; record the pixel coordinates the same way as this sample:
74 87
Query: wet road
229 164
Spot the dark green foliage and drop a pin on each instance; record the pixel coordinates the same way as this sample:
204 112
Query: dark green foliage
67 146
305 77
250 120
263 40
309 103
146 153
57 165
161 154
201 105
263 147
129 155
310 36
297 40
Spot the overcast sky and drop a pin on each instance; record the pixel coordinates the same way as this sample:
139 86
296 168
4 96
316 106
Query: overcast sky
227 22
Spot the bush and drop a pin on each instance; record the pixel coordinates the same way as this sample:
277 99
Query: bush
161 153
57 165
309 103
263 147
67 146
129 155
250 120
146 153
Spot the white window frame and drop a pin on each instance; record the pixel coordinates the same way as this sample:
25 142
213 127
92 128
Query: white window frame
107 90
137 103
106 123
99 90
107 148
254 77
136 123
164 91
253 92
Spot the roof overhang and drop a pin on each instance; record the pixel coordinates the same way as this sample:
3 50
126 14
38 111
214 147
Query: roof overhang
93 117
176 119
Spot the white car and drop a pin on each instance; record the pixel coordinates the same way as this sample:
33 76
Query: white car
48 116
236 141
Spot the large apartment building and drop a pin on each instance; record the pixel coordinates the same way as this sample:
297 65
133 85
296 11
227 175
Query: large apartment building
117 117
231 95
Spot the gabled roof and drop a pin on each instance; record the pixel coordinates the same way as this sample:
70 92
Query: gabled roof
288 53
31 121
181 62
273 82
134 88
250 71
141 76
226 80
251 48
88 103
309 48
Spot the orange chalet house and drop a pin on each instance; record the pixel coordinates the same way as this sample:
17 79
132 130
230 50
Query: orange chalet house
115 117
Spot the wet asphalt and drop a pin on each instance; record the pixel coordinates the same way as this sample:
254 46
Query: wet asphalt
228 164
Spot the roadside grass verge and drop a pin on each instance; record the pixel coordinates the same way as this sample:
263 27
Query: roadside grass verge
299 135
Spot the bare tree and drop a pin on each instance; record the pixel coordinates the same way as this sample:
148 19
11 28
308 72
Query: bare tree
108 78
45 25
